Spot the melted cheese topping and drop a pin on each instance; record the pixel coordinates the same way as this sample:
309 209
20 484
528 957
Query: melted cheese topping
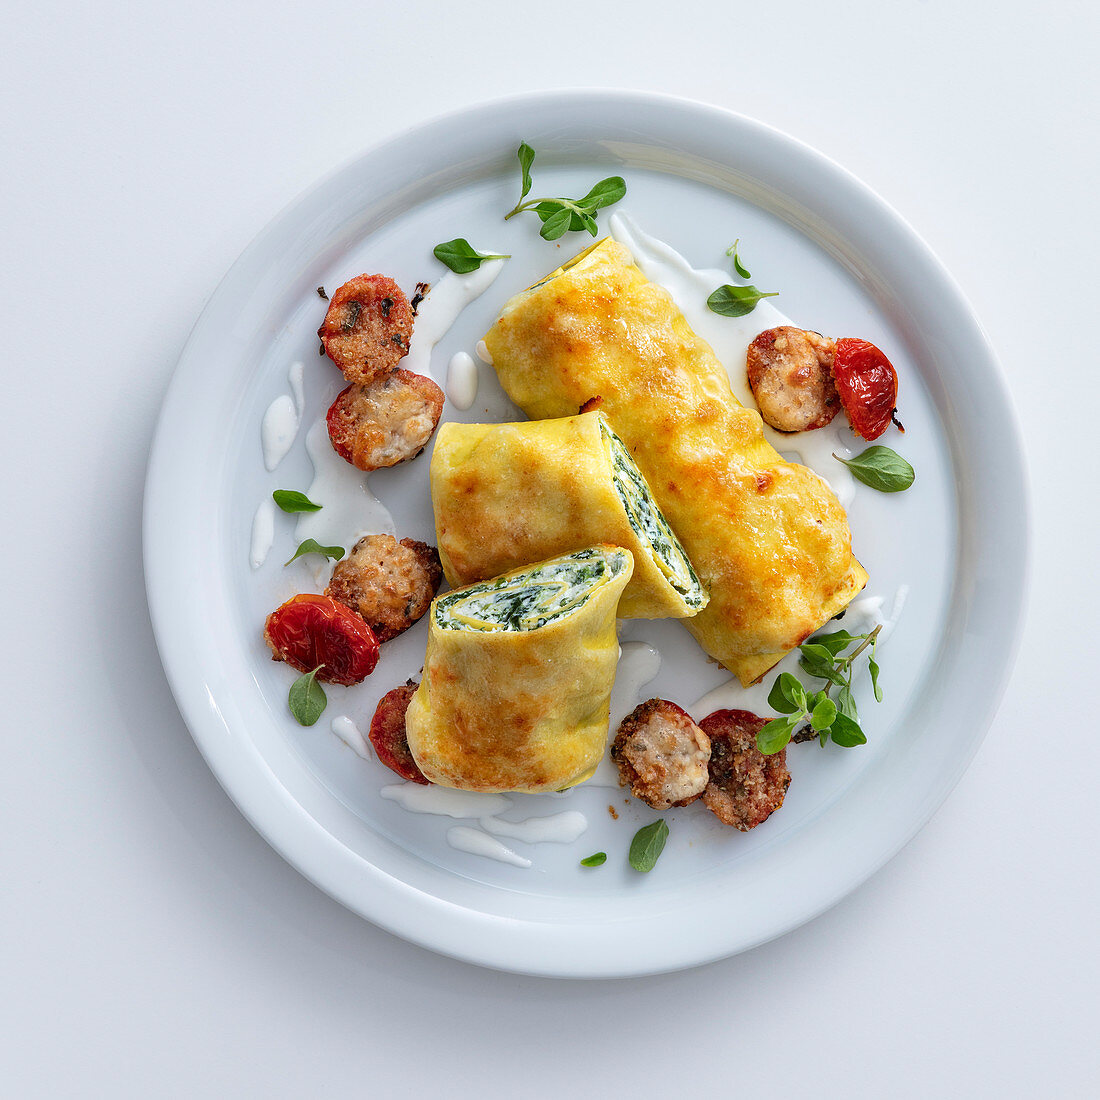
530 599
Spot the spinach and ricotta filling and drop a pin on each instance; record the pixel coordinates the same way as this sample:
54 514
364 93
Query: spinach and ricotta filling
531 598
649 522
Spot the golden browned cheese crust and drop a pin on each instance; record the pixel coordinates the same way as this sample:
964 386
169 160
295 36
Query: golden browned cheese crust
505 495
504 710
389 583
768 538
662 755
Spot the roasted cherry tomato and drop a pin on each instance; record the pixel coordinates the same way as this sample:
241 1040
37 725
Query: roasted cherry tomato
868 386
387 733
311 630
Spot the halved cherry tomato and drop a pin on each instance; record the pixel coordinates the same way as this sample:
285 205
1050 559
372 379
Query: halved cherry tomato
868 386
311 630
387 733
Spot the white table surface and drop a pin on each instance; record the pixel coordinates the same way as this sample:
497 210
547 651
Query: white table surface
151 943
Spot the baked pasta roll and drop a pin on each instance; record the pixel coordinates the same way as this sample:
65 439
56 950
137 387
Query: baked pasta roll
506 495
768 538
517 678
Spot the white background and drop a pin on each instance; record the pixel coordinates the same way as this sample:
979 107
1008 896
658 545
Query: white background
151 944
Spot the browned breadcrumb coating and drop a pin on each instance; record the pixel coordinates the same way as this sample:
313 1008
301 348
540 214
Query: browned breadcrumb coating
386 421
389 583
791 376
367 328
746 787
661 755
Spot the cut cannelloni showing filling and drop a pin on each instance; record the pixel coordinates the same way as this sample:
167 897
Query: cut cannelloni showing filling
517 678
505 495
768 538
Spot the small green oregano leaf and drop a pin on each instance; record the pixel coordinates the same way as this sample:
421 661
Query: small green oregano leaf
846 732
597 859
557 224
526 157
823 715
738 266
776 734
737 301
647 845
290 500
312 546
605 193
882 468
461 257
872 664
307 698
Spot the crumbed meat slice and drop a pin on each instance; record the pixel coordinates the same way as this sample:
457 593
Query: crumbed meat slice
367 328
387 733
661 755
745 786
389 583
791 376
386 421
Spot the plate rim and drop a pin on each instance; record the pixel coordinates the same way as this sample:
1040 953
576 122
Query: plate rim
297 844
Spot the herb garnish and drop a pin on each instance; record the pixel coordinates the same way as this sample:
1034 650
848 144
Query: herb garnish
738 266
321 293
882 468
290 500
737 301
561 216
827 717
647 845
597 859
312 546
307 698
461 257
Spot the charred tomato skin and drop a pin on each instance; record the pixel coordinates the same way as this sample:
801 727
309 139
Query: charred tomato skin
387 733
867 384
311 630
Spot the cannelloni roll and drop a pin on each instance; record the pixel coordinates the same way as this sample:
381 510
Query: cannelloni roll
768 538
506 495
518 674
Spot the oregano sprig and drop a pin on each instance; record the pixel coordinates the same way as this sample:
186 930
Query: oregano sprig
307 698
882 468
461 256
821 713
738 266
312 546
737 301
560 216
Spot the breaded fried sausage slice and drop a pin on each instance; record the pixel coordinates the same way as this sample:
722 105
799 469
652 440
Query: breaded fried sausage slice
389 583
746 787
386 421
791 376
367 328
661 755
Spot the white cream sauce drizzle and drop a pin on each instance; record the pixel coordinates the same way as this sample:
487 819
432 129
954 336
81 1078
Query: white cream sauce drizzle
561 828
352 736
477 843
862 616
730 338
349 509
445 801
462 380
263 533
279 427
639 662
439 310
482 351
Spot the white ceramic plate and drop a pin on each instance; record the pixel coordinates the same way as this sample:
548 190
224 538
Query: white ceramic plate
845 264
